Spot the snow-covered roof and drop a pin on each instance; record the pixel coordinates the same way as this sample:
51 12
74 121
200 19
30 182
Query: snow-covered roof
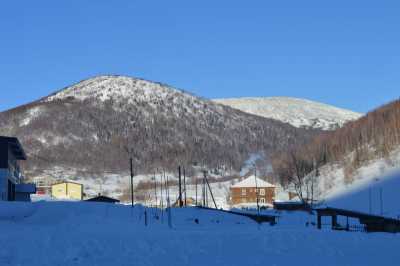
251 182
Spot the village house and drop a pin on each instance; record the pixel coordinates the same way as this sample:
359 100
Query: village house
12 187
250 189
67 190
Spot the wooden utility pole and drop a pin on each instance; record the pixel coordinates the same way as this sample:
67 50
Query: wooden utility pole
204 189
196 187
131 163
255 178
162 200
169 206
180 186
209 187
155 189
184 184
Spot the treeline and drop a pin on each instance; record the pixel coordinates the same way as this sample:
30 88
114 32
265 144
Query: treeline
374 135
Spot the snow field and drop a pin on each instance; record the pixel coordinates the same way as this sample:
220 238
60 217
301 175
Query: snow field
86 233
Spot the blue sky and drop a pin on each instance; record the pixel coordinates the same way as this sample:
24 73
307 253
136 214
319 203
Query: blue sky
345 53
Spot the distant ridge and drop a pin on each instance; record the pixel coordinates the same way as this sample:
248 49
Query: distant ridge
300 113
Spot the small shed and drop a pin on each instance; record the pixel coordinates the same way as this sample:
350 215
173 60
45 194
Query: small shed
105 199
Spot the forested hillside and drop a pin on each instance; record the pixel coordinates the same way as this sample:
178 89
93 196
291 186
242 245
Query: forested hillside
96 125
373 136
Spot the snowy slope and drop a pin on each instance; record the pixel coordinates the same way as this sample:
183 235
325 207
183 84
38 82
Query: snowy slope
82 234
377 197
126 89
297 112
332 182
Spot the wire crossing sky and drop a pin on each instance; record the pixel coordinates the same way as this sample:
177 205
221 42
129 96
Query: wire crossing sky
344 53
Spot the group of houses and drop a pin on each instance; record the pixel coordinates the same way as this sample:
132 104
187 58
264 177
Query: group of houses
250 191
13 186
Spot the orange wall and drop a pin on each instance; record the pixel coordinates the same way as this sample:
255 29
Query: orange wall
251 196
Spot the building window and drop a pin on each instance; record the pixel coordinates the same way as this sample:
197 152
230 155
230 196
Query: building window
262 192
243 192
262 200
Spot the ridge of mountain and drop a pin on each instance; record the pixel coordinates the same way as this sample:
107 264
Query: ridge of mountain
300 113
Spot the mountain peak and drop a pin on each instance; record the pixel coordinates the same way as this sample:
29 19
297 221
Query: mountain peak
107 87
295 111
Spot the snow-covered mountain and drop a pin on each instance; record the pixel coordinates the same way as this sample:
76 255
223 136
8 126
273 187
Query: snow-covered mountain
124 89
297 112
88 127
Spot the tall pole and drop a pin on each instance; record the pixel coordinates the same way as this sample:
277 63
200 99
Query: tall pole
131 163
196 187
155 189
212 195
169 206
162 200
180 186
255 178
184 184
204 190
381 199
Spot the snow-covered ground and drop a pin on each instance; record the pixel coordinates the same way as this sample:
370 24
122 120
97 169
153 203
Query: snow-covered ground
379 197
332 182
79 233
297 112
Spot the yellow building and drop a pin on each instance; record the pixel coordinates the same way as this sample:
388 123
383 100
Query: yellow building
67 190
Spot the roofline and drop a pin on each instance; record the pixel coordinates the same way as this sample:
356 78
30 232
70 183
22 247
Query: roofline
256 185
272 186
14 142
66 182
